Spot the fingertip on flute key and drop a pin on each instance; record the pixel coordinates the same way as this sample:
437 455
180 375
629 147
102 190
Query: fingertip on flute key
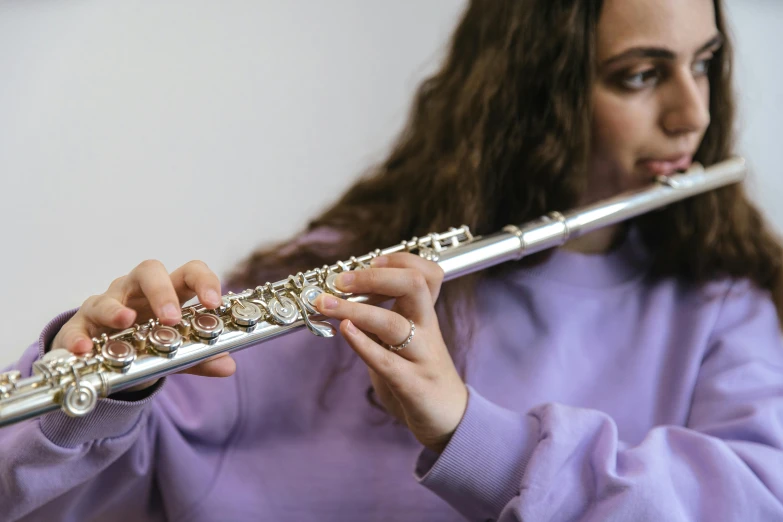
327 302
344 280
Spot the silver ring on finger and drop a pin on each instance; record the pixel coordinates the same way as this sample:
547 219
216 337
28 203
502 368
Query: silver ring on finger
407 341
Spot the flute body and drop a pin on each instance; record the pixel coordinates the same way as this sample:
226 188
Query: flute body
152 350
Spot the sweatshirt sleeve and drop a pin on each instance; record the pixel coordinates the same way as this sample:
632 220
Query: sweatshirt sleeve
46 460
559 462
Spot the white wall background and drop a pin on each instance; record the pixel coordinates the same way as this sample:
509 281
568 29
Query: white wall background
193 129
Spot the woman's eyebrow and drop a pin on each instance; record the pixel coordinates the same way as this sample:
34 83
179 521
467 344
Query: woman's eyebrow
661 52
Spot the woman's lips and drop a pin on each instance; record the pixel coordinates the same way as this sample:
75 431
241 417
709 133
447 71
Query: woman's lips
665 167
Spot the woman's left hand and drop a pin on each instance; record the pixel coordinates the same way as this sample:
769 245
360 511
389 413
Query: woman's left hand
418 384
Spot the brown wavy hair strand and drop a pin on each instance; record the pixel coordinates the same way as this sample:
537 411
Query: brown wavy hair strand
501 134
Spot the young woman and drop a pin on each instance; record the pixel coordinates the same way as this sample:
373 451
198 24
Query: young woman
634 374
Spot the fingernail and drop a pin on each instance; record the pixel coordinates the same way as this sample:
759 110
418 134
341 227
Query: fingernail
344 280
170 311
350 327
328 302
212 297
380 261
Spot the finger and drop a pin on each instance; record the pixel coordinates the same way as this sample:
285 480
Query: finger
152 280
74 336
196 279
97 312
106 311
390 327
388 365
431 271
220 365
407 285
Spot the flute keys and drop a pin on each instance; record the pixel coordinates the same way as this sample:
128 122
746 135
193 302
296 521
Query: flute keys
10 377
118 354
207 326
165 340
308 295
333 289
184 327
283 310
7 381
79 399
58 355
225 306
246 315
140 337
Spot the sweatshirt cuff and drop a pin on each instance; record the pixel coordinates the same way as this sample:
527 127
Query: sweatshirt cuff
110 418
480 470
52 329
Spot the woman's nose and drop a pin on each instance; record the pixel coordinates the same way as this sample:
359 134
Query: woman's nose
686 108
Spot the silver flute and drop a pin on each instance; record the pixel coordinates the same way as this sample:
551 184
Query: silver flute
152 350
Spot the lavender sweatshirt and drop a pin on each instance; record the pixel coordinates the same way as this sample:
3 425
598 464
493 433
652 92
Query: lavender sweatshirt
595 395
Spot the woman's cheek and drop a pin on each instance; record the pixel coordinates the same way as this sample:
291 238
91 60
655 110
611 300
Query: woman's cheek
619 128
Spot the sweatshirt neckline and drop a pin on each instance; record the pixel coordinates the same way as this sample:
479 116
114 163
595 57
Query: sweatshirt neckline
626 262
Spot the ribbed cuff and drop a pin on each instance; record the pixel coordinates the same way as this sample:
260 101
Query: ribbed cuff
481 468
110 418
51 330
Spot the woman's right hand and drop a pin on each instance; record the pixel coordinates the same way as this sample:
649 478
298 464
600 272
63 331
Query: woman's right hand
148 291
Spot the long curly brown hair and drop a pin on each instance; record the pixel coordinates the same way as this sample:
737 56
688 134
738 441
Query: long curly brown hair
501 134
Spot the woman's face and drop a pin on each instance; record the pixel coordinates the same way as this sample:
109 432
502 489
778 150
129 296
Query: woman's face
651 93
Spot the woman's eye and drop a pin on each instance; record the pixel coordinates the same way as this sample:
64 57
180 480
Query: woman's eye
640 80
702 67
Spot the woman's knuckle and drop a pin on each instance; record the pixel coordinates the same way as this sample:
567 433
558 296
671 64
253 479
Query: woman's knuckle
196 264
418 281
149 265
92 302
74 332
387 363
370 276
117 282
430 373
157 283
98 307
